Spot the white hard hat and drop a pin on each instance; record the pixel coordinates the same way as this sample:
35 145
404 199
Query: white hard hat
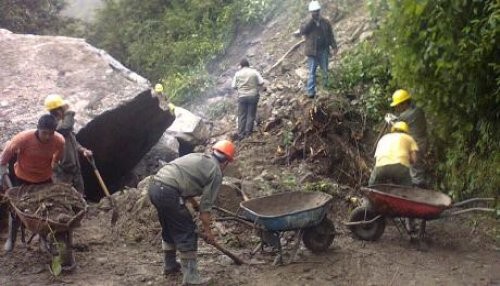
314 6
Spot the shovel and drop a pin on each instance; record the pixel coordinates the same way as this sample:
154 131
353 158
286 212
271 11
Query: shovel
114 214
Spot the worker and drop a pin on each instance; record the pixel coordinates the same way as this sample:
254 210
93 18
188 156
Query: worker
394 155
174 185
38 152
319 38
68 169
158 89
247 81
415 118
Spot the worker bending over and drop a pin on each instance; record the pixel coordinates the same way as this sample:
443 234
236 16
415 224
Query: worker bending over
175 184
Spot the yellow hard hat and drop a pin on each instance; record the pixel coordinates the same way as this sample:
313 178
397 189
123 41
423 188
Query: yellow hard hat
400 96
400 126
158 88
54 101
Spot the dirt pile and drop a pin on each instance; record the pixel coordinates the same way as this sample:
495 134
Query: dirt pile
331 138
55 202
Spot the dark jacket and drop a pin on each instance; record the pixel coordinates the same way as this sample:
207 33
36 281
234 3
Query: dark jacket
69 162
415 118
318 36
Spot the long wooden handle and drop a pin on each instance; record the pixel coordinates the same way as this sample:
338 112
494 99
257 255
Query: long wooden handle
231 255
98 175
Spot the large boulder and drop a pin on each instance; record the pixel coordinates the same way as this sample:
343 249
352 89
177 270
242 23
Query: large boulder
35 66
122 120
189 129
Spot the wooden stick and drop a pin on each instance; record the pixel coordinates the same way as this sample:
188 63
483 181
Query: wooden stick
294 47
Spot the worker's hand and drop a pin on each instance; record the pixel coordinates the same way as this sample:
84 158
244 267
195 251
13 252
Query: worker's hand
390 118
86 152
194 204
208 236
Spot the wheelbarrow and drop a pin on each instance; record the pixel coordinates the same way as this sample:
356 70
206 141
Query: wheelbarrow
368 221
55 231
301 212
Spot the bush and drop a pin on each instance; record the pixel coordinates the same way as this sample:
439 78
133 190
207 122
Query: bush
447 52
365 73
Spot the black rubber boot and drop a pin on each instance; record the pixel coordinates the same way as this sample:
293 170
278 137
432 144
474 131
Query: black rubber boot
171 266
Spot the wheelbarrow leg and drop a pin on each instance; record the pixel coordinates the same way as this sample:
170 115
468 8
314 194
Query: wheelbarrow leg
298 237
13 228
422 244
279 257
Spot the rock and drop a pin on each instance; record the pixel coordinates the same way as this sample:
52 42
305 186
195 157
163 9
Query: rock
36 66
165 150
302 73
365 36
189 129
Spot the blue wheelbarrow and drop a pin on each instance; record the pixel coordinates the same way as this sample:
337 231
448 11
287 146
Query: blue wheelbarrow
301 212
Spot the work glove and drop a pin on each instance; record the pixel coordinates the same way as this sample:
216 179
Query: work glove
296 33
171 107
390 118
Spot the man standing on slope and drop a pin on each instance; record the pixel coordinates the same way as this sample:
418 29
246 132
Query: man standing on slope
247 81
319 38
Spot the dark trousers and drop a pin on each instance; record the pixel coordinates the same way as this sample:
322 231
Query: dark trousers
177 225
247 109
397 174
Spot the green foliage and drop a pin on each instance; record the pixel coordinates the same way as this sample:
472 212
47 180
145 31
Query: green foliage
447 52
185 87
256 10
171 40
31 17
220 108
365 71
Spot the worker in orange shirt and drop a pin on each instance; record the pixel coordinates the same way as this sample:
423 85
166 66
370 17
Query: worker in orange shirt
38 151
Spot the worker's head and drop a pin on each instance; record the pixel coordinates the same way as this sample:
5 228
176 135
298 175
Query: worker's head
46 127
400 126
55 104
224 151
244 63
314 8
401 99
158 88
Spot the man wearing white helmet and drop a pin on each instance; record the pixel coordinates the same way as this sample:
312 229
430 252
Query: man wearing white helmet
319 38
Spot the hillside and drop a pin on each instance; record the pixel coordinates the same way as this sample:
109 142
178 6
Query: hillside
320 145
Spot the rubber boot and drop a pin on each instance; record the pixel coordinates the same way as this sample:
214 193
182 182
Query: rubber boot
171 266
11 239
190 272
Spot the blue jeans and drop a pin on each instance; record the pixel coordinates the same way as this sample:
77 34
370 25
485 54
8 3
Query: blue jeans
321 60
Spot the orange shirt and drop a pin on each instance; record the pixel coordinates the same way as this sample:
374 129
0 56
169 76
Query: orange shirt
34 158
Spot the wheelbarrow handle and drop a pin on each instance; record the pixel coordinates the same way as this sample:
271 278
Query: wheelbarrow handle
459 204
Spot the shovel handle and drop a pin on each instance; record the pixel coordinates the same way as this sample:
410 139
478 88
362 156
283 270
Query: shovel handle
98 175
231 255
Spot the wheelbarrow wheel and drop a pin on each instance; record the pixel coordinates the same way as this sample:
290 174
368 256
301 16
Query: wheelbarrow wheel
370 232
319 238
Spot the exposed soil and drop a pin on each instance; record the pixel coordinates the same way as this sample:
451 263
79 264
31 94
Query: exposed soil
462 250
